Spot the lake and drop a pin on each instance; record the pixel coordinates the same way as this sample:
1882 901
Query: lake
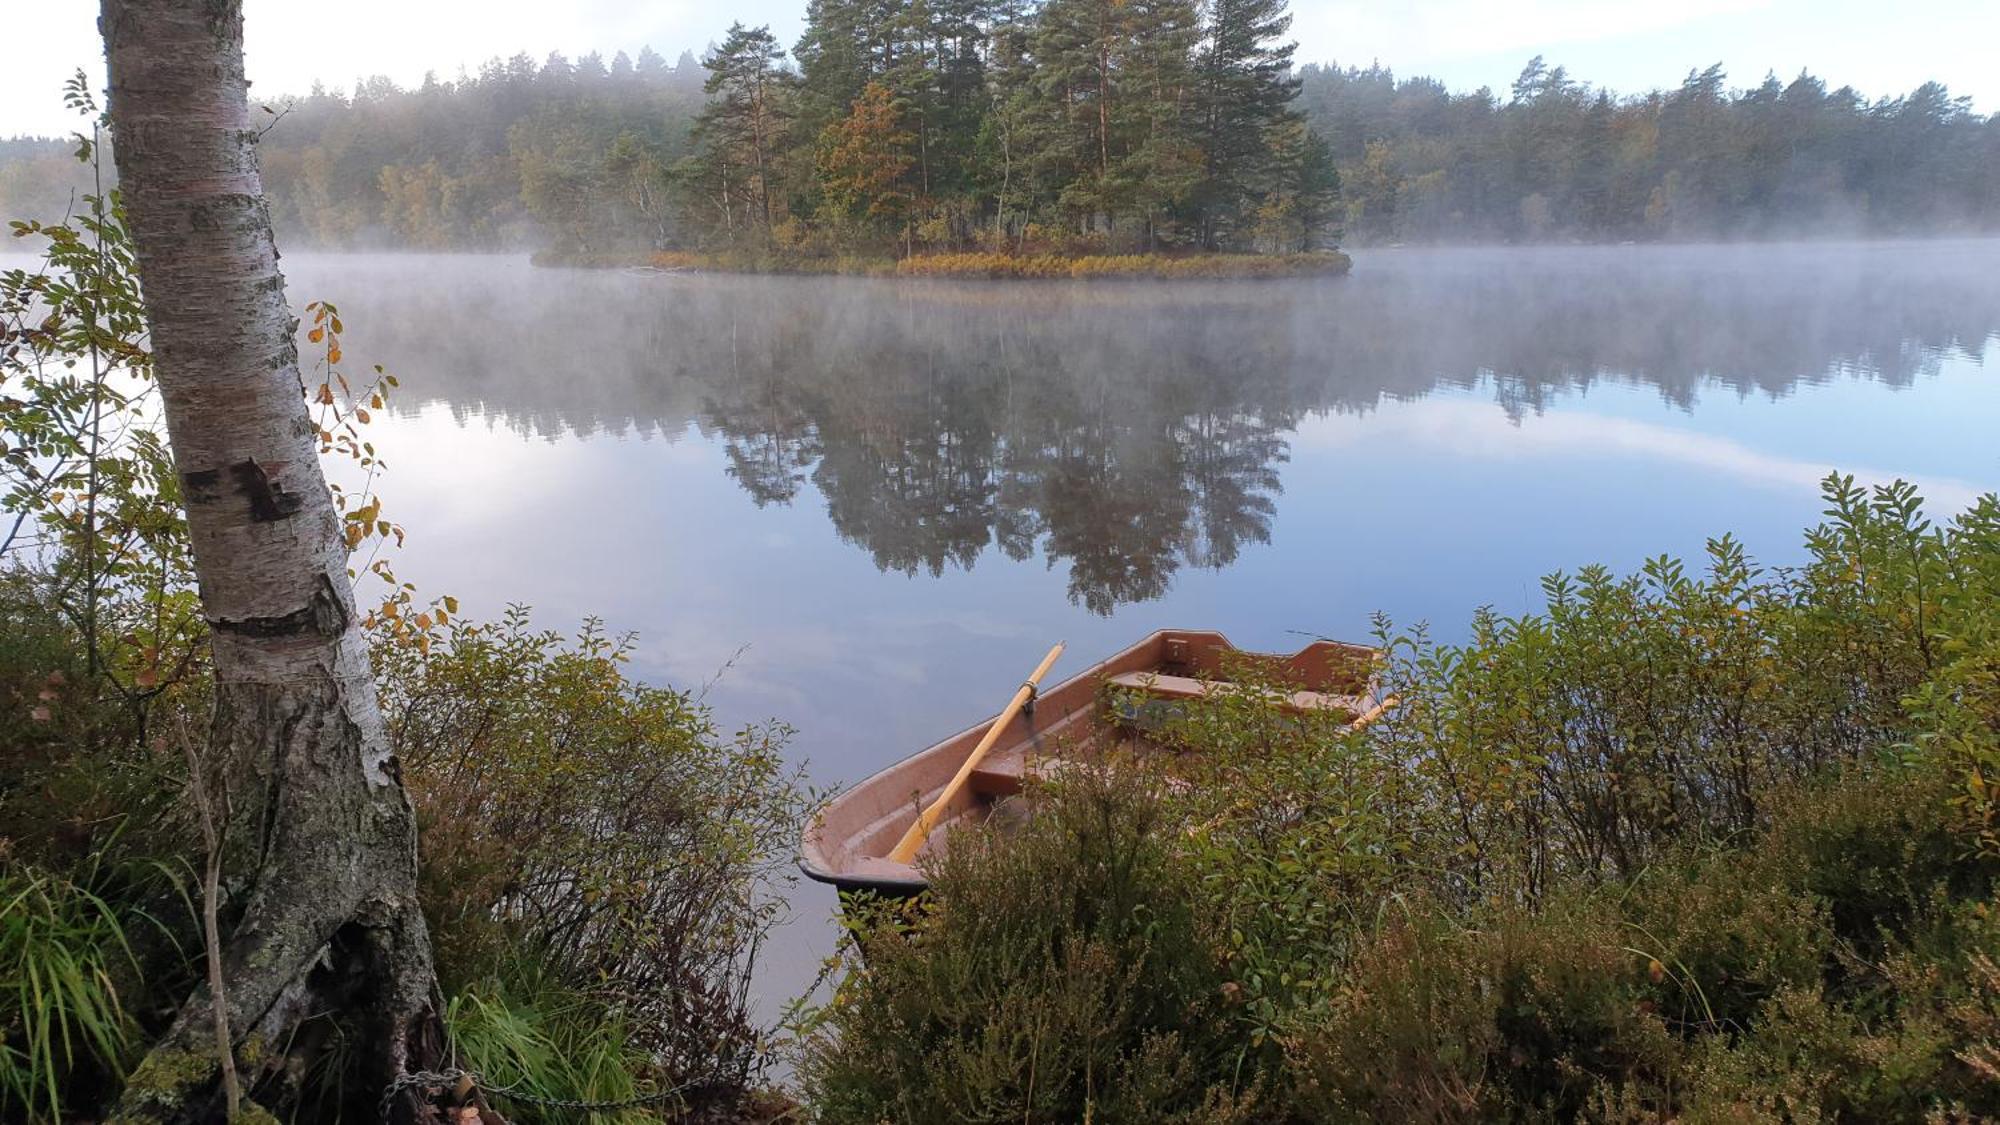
866 507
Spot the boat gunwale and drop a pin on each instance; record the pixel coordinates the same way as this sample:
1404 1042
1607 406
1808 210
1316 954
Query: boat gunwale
898 886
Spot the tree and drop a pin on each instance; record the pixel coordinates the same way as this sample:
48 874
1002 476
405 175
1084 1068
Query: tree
740 128
833 63
1303 190
331 922
865 164
1246 88
1163 163
1067 109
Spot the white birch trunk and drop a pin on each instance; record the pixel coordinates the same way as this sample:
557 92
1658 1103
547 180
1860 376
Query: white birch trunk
332 919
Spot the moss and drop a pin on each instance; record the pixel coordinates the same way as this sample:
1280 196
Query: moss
160 1087
162 1080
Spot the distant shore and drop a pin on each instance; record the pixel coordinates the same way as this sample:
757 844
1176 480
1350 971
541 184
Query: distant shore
978 266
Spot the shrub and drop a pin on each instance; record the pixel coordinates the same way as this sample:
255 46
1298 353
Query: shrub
1638 713
1710 847
1958 706
1715 984
1076 263
1056 976
575 819
1504 1016
1099 265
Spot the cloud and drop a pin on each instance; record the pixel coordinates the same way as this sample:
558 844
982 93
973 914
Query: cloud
1477 430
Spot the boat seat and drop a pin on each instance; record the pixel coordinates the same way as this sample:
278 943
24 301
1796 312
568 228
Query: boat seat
1000 775
1185 687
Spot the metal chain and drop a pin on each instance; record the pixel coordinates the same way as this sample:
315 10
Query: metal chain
451 1075
426 1079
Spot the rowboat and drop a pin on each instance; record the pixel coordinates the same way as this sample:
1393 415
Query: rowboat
875 836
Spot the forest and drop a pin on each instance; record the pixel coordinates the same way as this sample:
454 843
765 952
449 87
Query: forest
1077 127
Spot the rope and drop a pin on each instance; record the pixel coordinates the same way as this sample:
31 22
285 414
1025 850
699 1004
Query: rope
432 1081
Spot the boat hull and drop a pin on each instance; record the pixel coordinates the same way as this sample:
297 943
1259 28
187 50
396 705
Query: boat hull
848 844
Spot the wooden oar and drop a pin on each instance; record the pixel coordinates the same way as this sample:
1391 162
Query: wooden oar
906 849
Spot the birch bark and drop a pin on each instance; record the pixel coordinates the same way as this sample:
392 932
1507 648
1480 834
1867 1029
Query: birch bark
331 920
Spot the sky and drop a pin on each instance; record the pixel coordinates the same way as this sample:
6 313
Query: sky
1881 49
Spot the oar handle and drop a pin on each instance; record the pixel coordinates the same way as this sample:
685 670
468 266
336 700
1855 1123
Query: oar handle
906 848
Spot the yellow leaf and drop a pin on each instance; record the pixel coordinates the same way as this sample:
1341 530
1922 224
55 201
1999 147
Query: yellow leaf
316 335
333 354
361 416
325 398
146 678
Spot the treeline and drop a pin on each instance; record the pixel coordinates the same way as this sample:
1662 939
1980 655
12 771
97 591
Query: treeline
1558 159
1128 125
1078 126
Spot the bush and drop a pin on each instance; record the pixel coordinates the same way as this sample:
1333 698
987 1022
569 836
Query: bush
1079 263
1057 976
1144 266
1718 982
1512 1016
1713 848
574 819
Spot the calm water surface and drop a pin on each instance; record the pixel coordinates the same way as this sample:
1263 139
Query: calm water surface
876 503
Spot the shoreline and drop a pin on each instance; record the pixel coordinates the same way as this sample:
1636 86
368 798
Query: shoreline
979 266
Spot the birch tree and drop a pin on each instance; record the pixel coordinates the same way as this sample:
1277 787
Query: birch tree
330 921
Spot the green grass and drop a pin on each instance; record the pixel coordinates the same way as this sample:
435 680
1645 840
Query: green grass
61 949
528 1036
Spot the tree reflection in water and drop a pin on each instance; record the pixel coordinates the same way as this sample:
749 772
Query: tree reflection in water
1127 431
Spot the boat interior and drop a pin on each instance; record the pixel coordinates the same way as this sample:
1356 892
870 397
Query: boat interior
1067 724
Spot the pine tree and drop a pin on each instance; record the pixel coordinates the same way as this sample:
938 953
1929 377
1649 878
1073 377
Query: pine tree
1302 192
741 127
1246 88
833 64
1162 165
1067 108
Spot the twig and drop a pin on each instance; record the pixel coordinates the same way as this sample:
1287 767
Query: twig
211 894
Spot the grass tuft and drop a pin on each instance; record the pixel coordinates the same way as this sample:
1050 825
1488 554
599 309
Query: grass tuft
61 947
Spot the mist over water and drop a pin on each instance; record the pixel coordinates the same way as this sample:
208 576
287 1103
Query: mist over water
877 502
